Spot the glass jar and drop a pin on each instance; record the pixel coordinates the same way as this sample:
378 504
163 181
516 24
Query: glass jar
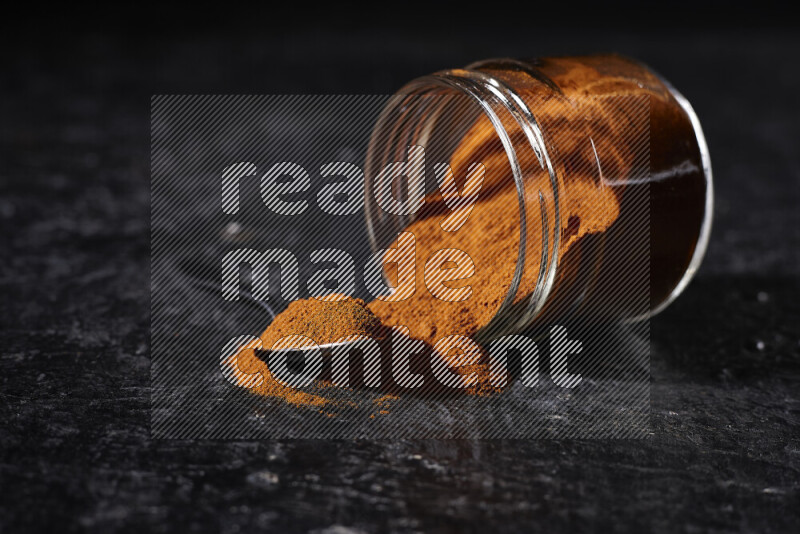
603 167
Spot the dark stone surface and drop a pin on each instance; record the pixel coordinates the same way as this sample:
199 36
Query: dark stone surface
75 449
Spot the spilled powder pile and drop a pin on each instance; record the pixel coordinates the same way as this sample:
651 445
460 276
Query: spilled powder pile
322 321
246 366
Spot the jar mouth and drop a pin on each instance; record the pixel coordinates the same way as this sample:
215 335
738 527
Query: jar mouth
504 109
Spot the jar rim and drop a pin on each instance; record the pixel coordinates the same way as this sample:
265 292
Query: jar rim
493 96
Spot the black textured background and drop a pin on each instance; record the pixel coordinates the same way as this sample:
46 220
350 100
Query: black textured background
75 451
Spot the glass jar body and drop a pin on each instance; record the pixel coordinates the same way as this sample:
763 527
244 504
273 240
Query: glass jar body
599 165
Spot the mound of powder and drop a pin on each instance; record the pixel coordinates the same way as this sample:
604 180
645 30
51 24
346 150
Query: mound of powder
322 321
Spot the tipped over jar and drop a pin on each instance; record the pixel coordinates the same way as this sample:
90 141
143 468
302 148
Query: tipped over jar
546 187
